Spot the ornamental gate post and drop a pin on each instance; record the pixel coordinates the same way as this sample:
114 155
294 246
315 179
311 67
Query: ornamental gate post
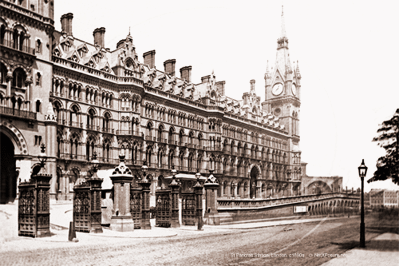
211 214
145 221
95 210
34 207
121 177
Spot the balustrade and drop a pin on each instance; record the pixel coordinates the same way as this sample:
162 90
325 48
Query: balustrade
255 203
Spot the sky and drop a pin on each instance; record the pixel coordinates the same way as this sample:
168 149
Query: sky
347 51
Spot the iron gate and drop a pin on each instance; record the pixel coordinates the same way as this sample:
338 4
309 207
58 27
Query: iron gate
81 208
188 209
164 208
136 198
34 207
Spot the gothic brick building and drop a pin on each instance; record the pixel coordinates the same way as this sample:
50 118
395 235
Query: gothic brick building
79 97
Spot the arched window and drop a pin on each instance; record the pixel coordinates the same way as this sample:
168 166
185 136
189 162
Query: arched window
160 158
90 119
159 136
148 156
170 159
106 152
181 138
73 116
190 163
19 78
170 136
106 120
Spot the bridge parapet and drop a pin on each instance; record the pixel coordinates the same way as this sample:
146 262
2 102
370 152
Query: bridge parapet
230 204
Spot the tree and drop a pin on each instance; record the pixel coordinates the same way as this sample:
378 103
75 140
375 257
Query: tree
388 136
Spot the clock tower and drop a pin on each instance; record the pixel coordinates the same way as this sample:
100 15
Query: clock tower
283 89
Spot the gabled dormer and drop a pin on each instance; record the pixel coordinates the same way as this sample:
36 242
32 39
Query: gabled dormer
82 50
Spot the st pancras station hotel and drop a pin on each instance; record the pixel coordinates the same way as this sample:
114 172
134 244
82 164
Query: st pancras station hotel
85 101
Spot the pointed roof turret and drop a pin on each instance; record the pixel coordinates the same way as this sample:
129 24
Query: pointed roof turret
298 73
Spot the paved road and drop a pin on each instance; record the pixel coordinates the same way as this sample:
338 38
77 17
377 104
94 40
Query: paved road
299 244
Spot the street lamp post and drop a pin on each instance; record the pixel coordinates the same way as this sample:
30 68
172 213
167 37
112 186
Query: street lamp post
362 173
198 194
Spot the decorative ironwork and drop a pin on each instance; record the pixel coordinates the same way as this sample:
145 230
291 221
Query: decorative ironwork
136 197
163 208
188 209
81 209
34 207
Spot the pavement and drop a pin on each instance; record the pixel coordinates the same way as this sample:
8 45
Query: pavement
381 250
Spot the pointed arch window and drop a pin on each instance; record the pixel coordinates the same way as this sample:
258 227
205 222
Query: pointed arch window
170 159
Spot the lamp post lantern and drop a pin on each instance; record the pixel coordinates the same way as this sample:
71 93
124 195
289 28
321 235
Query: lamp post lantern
42 159
362 173
95 164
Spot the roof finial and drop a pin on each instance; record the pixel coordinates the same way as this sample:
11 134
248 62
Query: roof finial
282 10
129 30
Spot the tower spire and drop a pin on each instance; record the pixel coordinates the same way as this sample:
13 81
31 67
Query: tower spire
283 33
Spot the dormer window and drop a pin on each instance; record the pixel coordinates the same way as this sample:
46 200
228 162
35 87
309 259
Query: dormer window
82 50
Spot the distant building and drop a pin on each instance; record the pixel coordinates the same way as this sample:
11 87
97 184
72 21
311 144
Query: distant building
381 198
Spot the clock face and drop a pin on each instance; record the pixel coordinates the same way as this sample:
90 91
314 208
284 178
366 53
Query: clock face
293 88
277 89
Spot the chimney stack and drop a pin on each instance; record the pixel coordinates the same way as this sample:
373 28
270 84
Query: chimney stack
66 23
220 87
149 58
185 73
98 35
252 82
205 79
169 66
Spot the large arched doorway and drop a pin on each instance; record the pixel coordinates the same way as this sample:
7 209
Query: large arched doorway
8 175
254 174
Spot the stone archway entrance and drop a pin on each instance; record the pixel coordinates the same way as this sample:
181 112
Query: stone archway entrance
254 174
8 174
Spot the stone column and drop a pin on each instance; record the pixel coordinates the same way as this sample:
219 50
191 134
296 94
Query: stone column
121 179
8 94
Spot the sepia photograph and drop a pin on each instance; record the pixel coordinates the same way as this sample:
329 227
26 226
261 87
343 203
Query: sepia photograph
199 132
